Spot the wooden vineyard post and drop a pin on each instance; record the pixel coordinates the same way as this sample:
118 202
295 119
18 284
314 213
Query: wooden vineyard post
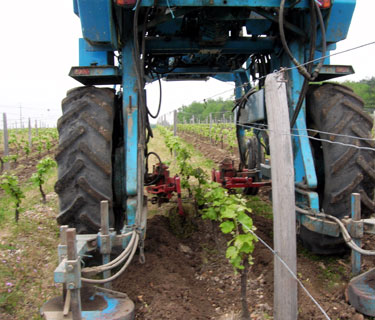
211 127
356 216
283 198
75 295
175 122
6 143
30 141
175 127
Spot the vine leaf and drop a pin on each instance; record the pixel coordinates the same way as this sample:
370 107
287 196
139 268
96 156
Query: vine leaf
227 226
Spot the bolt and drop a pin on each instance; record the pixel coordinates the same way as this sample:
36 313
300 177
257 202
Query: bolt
70 267
93 243
71 286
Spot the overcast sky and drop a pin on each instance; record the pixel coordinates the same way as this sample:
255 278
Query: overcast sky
40 44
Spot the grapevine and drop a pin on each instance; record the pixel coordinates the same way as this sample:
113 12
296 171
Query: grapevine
38 178
228 209
10 184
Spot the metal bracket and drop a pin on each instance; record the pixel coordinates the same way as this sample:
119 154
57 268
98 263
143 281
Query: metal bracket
73 274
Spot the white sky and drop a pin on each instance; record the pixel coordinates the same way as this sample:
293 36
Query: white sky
40 44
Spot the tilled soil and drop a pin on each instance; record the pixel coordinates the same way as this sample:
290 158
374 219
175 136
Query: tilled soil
188 278
191 278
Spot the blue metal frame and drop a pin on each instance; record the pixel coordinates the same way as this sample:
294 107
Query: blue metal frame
97 21
130 113
101 37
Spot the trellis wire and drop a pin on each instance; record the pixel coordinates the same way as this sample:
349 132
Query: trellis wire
289 270
291 68
309 137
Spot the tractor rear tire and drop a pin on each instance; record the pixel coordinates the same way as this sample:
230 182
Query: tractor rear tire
84 157
341 170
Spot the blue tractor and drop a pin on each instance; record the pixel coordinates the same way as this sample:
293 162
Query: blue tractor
128 43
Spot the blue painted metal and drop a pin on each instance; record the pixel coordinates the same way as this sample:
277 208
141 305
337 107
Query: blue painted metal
170 27
310 200
110 305
318 225
221 3
89 56
340 17
361 292
97 21
130 112
303 158
257 26
75 7
225 77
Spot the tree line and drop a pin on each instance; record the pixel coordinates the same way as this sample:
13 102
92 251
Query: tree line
201 110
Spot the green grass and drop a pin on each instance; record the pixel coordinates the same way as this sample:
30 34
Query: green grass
28 252
260 207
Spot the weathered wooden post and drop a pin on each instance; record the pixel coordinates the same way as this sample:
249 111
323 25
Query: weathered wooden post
75 296
30 141
283 198
356 216
6 142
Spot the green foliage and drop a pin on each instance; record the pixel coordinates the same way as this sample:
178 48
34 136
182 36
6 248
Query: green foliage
10 184
218 205
11 157
183 155
38 178
231 211
365 89
201 110
13 141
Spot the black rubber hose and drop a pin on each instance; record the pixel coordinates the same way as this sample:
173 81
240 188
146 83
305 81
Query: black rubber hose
324 44
160 99
158 176
300 68
138 71
305 84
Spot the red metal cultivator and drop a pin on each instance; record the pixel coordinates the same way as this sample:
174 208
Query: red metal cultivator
162 186
230 178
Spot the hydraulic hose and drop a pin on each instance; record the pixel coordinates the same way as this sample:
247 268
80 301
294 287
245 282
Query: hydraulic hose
123 268
115 262
157 177
160 99
314 8
299 66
